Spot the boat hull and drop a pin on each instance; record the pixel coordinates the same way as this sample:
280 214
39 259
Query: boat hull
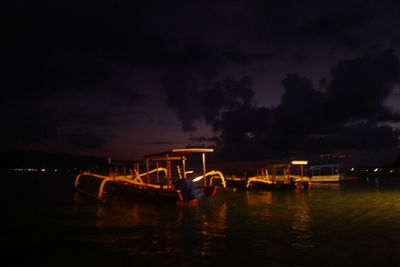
274 186
238 184
140 192
210 191
167 194
325 178
256 185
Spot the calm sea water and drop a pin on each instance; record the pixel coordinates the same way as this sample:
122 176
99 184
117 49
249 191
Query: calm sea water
356 223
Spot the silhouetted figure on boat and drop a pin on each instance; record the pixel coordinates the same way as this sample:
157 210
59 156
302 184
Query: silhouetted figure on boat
189 190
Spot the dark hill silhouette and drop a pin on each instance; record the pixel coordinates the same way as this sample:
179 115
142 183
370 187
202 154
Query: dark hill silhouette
40 159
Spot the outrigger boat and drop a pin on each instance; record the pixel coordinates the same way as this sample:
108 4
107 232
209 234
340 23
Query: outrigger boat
285 176
326 173
162 182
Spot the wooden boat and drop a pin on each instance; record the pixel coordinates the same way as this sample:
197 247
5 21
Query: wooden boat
285 176
326 173
162 182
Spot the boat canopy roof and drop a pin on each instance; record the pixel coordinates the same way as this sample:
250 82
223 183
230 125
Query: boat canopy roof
163 158
287 164
299 162
178 153
174 154
279 165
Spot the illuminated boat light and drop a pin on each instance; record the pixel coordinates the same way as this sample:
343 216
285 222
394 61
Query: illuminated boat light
299 162
197 179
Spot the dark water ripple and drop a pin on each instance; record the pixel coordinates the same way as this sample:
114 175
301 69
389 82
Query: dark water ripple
355 223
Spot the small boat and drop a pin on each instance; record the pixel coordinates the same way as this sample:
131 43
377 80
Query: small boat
168 182
285 176
326 173
236 183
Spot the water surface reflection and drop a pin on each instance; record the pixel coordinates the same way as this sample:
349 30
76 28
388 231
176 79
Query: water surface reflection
331 225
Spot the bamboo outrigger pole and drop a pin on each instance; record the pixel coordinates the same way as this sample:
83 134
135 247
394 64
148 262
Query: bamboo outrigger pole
169 173
158 174
184 166
204 168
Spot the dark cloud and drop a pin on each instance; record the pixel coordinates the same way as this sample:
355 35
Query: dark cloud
228 107
348 116
338 28
28 130
32 124
361 136
182 97
357 91
239 92
301 30
94 46
55 49
192 103
164 143
204 139
244 58
360 86
86 140
247 132
226 94
41 71
89 119
300 108
90 44
213 99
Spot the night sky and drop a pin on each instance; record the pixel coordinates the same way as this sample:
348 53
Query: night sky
254 79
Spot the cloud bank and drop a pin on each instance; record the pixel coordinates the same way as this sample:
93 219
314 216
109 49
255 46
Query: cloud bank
349 114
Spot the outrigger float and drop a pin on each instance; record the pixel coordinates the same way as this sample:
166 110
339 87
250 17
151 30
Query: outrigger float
285 176
162 182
